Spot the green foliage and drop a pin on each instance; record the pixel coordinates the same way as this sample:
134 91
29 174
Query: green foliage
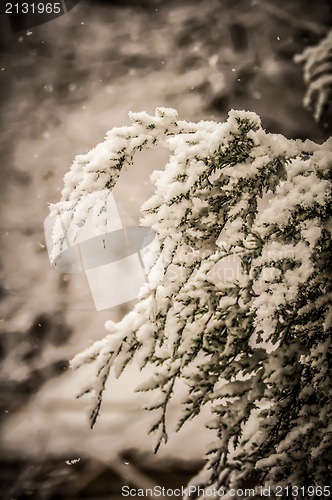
254 347
318 75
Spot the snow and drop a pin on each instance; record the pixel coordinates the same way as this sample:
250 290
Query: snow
311 231
316 74
41 427
54 422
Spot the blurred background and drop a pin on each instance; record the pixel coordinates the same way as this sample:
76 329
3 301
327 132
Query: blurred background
63 84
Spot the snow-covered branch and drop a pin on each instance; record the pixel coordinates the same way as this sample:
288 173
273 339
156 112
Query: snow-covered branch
242 312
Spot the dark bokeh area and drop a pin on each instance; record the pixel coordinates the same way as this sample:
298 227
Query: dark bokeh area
63 84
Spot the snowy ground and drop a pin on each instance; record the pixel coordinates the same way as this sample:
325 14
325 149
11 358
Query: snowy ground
64 84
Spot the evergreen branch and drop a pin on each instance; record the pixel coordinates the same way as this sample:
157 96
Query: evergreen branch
318 75
246 324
